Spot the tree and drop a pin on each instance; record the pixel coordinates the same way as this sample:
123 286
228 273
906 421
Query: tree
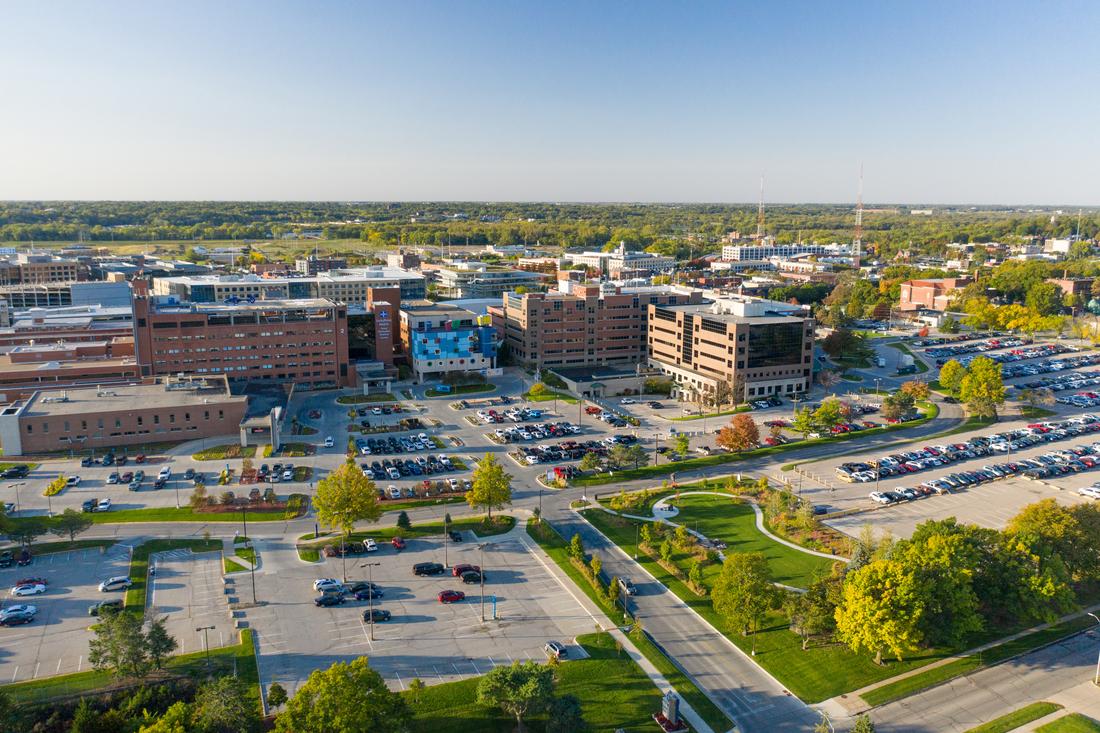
803 421
811 613
277 697
537 389
565 716
119 646
863 724
576 547
880 610
71 523
176 719
951 376
619 456
828 414
520 690
591 462
916 389
345 497
348 697
949 325
695 574
223 705
159 644
637 455
949 605
595 565
828 378
982 389
741 433
1044 298
680 443
1056 534
742 593
416 689
403 521
666 550
492 487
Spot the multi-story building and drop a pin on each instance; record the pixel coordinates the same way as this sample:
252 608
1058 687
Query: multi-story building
30 366
479 280
33 267
120 415
762 347
311 266
738 252
439 339
302 342
582 325
49 295
933 294
342 286
402 259
619 262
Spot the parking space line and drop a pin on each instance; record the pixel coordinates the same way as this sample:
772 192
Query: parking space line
399 680
58 670
437 674
14 673
36 666
79 662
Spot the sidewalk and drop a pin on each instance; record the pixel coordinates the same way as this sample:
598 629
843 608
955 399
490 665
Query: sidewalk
598 616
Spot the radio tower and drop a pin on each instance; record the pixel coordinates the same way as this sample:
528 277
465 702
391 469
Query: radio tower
857 243
760 213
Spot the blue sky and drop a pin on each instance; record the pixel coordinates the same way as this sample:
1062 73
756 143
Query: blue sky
966 102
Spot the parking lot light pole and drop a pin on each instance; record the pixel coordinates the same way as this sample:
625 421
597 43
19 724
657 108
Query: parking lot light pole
370 592
16 486
248 543
446 539
206 645
1096 677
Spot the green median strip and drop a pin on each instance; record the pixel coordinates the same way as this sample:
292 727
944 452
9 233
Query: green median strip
1016 718
974 662
555 546
1072 723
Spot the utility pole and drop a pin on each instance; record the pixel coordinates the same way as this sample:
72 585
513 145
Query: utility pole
206 645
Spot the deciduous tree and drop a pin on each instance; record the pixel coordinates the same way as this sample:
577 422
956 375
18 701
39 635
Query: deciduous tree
70 523
880 610
916 389
345 497
951 377
982 389
119 646
742 593
741 433
223 705
159 644
492 486
348 697
520 690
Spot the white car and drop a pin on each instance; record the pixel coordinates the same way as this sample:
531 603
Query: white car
454 484
119 582
329 442
626 401
1090 491
165 473
73 481
104 505
376 410
879 498
30 589
288 475
19 608
320 582
393 491
371 545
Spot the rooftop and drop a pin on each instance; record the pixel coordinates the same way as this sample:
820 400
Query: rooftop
756 311
165 305
355 274
430 308
91 400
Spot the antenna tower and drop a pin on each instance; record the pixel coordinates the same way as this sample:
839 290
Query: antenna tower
857 243
760 213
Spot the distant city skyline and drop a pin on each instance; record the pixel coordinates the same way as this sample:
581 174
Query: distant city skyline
949 104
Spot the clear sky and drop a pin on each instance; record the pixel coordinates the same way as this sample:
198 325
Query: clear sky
954 102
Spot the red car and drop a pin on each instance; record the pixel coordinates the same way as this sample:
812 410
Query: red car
458 570
32 581
139 458
398 543
451 596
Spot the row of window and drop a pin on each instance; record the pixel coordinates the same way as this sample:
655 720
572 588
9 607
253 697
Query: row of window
66 426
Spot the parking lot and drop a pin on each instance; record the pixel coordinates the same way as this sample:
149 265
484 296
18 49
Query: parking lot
187 589
424 638
56 642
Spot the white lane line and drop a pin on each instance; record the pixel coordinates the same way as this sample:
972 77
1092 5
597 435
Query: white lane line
36 666
14 672
437 674
79 662
399 680
58 670
474 665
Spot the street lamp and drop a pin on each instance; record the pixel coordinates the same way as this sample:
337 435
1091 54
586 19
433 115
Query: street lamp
370 591
1096 677
252 571
16 486
481 552
206 644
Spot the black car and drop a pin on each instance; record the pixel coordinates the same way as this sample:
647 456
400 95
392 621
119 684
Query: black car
104 607
18 471
378 614
472 576
428 568
87 461
189 474
455 536
361 586
16 617
6 559
367 594
329 599
89 506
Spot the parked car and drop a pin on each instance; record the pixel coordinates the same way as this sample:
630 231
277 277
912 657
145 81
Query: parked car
329 599
376 616
461 568
118 582
451 596
627 586
28 589
428 568
555 649
473 576
104 607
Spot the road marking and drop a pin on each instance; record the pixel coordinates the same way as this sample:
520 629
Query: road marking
437 674
15 672
36 666
58 670
79 662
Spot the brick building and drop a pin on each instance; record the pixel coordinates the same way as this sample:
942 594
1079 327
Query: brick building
439 339
933 294
585 325
763 345
302 342
135 414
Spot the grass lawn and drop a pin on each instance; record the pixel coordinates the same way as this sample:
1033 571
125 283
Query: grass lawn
139 564
222 452
557 548
818 673
223 660
501 524
735 522
723 413
45 548
1016 718
359 399
930 410
394 506
291 450
230 566
461 389
1035 413
549 397
183 514
920 365
1072 723
851 377
614 693
968 664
